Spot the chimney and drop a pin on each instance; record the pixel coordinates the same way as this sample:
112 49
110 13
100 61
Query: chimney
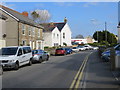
65 20
25 13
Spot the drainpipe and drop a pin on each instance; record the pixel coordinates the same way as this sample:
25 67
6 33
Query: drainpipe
18 35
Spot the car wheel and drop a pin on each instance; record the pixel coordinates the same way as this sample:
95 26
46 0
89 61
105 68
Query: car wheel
47 58
40 60
16 66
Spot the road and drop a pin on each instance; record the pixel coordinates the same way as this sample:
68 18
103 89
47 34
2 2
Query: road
58 72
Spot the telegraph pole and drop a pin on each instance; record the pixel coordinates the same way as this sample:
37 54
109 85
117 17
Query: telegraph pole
106 31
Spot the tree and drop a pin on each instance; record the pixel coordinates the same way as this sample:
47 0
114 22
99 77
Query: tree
102 36
40 16
79 36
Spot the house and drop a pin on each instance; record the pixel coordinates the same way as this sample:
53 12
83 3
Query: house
79 41
20 30
118 33
51 35
60 34
86 40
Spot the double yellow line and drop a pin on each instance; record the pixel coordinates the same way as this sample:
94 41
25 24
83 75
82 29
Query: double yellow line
76 82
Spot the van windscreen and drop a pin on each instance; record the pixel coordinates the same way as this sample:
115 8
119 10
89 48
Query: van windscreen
8 51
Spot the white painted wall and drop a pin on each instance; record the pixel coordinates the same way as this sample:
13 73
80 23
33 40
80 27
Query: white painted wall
55 38
47 36
67 31
2 31
118 35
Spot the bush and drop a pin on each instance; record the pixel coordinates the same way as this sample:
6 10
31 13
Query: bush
64 44
46 47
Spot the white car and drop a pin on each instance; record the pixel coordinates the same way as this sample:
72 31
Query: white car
15 56
95 48
88 47
75 49
81 48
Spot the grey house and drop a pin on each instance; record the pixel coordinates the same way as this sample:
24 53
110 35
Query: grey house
18 29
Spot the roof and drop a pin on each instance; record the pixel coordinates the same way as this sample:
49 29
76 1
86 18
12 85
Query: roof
3 17
20 17
60 25
50 26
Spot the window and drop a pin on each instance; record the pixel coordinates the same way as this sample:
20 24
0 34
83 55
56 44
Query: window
23 29
29 30
8 51
55 44
33 31
23 42
38 32
57 35
26 50
63 35
20 52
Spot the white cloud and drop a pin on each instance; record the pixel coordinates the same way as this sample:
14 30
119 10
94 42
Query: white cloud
90 4
68 4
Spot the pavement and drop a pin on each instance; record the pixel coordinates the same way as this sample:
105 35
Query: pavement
98 74
60 72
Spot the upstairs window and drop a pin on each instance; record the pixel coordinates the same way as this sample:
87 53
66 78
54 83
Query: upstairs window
58 36
33 31
29 30
64 35
38 32
23 29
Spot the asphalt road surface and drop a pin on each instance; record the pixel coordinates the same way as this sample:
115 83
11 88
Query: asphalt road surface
58 72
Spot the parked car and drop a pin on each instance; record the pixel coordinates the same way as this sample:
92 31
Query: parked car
1 70
16 56
86 47
40 55
75 49
68 50
95 48
60 51
106 54
81 48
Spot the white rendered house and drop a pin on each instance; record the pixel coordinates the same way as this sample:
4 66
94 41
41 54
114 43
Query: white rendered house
56 34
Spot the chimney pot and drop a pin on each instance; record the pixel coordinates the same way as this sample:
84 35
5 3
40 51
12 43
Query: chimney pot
25 13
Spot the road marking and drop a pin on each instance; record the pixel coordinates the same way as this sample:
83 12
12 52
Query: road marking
76 82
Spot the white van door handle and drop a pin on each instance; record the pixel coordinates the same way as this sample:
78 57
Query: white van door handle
23 56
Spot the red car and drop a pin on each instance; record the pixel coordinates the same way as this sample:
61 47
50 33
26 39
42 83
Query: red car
60 51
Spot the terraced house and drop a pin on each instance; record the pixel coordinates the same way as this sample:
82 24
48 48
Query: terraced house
18 29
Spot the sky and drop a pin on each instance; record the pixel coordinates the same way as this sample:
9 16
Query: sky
83 17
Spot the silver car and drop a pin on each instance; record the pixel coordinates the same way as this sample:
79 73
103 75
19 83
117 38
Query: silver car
40 55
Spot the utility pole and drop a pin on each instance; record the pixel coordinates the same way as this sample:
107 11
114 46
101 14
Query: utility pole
105 31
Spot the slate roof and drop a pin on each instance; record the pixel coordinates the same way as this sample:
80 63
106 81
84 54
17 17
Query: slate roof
20 17
50 26
3 17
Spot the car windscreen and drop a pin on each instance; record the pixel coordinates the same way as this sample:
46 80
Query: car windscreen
74 47
8 51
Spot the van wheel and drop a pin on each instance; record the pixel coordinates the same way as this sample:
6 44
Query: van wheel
30 62
16 66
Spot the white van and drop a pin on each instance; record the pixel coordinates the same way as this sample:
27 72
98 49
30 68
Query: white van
15 56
